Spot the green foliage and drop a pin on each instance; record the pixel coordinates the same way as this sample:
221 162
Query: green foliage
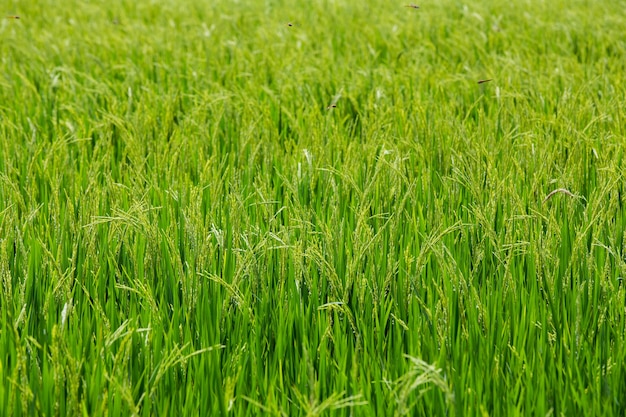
312 208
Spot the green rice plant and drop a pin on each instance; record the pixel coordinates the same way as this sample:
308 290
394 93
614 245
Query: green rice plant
276 208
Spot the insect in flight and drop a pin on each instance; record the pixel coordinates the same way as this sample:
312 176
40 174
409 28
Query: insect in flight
13 17
335 100
412 6
484 81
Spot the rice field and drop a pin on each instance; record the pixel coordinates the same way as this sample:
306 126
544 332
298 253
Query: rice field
322 208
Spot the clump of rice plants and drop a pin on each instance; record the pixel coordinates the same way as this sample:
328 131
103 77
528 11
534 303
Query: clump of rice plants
346 208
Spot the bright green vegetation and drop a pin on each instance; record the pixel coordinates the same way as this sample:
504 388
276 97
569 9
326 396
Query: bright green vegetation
185 225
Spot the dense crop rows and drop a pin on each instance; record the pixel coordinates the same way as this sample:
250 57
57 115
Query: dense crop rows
303 208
